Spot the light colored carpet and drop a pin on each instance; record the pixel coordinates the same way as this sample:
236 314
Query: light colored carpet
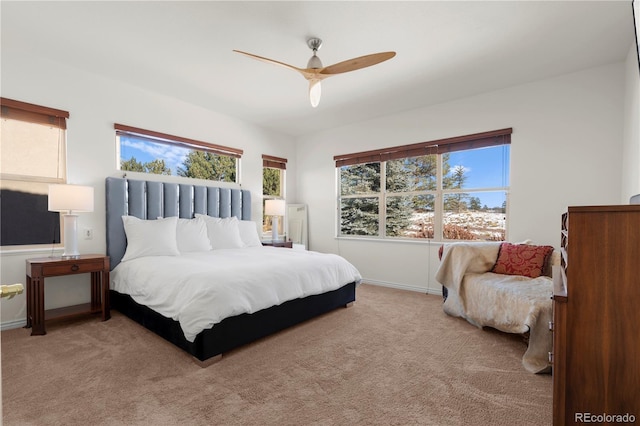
394 358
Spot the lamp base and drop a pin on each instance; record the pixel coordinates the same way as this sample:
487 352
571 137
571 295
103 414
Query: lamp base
274 229
70 236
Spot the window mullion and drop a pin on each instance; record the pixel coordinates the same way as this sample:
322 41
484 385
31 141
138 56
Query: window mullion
382 201
338 206
438 226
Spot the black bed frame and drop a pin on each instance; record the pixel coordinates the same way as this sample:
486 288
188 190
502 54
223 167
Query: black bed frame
150 199
235 331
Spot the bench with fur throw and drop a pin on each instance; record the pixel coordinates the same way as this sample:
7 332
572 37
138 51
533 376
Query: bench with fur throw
503 286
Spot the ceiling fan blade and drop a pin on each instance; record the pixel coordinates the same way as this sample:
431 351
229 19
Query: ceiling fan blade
271 61
357 63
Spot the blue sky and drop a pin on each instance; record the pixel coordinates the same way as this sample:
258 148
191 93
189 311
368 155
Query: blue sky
145 151
484 169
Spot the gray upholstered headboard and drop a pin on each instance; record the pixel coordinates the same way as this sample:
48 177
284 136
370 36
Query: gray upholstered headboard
153 199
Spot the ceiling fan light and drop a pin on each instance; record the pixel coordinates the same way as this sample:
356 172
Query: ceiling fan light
315 91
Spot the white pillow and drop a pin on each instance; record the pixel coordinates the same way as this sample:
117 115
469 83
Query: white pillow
192 235
249 233
150 237
223 233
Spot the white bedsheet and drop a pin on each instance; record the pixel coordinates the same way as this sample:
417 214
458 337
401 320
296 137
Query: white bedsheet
200 289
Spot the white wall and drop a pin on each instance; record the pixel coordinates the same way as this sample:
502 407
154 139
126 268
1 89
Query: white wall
566 150
631 140
95 104
569 136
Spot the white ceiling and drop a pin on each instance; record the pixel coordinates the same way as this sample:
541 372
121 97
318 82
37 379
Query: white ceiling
445 50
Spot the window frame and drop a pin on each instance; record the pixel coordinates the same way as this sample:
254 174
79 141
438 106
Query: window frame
279 163
438 148
36 185
178 141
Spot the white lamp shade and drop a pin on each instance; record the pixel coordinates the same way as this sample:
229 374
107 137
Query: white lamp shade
70 198
274 207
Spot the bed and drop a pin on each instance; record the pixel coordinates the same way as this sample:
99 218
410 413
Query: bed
146 286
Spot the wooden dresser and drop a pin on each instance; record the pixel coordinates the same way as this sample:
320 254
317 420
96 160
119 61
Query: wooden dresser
596 318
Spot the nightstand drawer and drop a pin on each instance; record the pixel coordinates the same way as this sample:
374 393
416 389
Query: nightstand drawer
72 268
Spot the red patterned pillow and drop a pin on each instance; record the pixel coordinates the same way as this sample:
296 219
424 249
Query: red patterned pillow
522 259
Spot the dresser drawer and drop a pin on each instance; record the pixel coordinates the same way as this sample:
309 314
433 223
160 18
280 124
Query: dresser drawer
72 268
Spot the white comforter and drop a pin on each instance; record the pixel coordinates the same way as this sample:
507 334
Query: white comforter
201 289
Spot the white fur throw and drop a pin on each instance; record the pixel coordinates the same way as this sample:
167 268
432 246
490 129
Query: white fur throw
509 303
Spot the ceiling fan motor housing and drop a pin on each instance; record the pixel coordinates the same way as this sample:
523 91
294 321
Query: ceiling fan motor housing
314 43
314 62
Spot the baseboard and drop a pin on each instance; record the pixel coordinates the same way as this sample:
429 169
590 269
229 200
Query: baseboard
403 286
9 325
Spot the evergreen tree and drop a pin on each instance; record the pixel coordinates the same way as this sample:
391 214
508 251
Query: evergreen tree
425 172
271 182
458 177
131 165
359 216
399 208
446 171
424 169
157 167
209 166
360 179
474 204
456 202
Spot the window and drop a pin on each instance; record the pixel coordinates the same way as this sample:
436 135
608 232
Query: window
273 187
450 189
147 151
33 146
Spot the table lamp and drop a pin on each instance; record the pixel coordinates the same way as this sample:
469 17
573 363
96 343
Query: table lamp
70 199
274 208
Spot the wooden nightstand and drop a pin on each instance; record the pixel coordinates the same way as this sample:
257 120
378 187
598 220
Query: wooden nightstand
285 244
38 269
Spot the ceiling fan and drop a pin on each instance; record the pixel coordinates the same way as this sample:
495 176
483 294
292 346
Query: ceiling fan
315 72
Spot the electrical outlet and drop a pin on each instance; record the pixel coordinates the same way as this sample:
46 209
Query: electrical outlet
88 234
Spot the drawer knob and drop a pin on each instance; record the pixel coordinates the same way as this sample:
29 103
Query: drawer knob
75 267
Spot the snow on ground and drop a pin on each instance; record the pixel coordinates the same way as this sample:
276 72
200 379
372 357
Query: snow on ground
465 225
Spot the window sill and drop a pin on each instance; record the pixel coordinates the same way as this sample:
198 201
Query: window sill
405 240
390 240
30 251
